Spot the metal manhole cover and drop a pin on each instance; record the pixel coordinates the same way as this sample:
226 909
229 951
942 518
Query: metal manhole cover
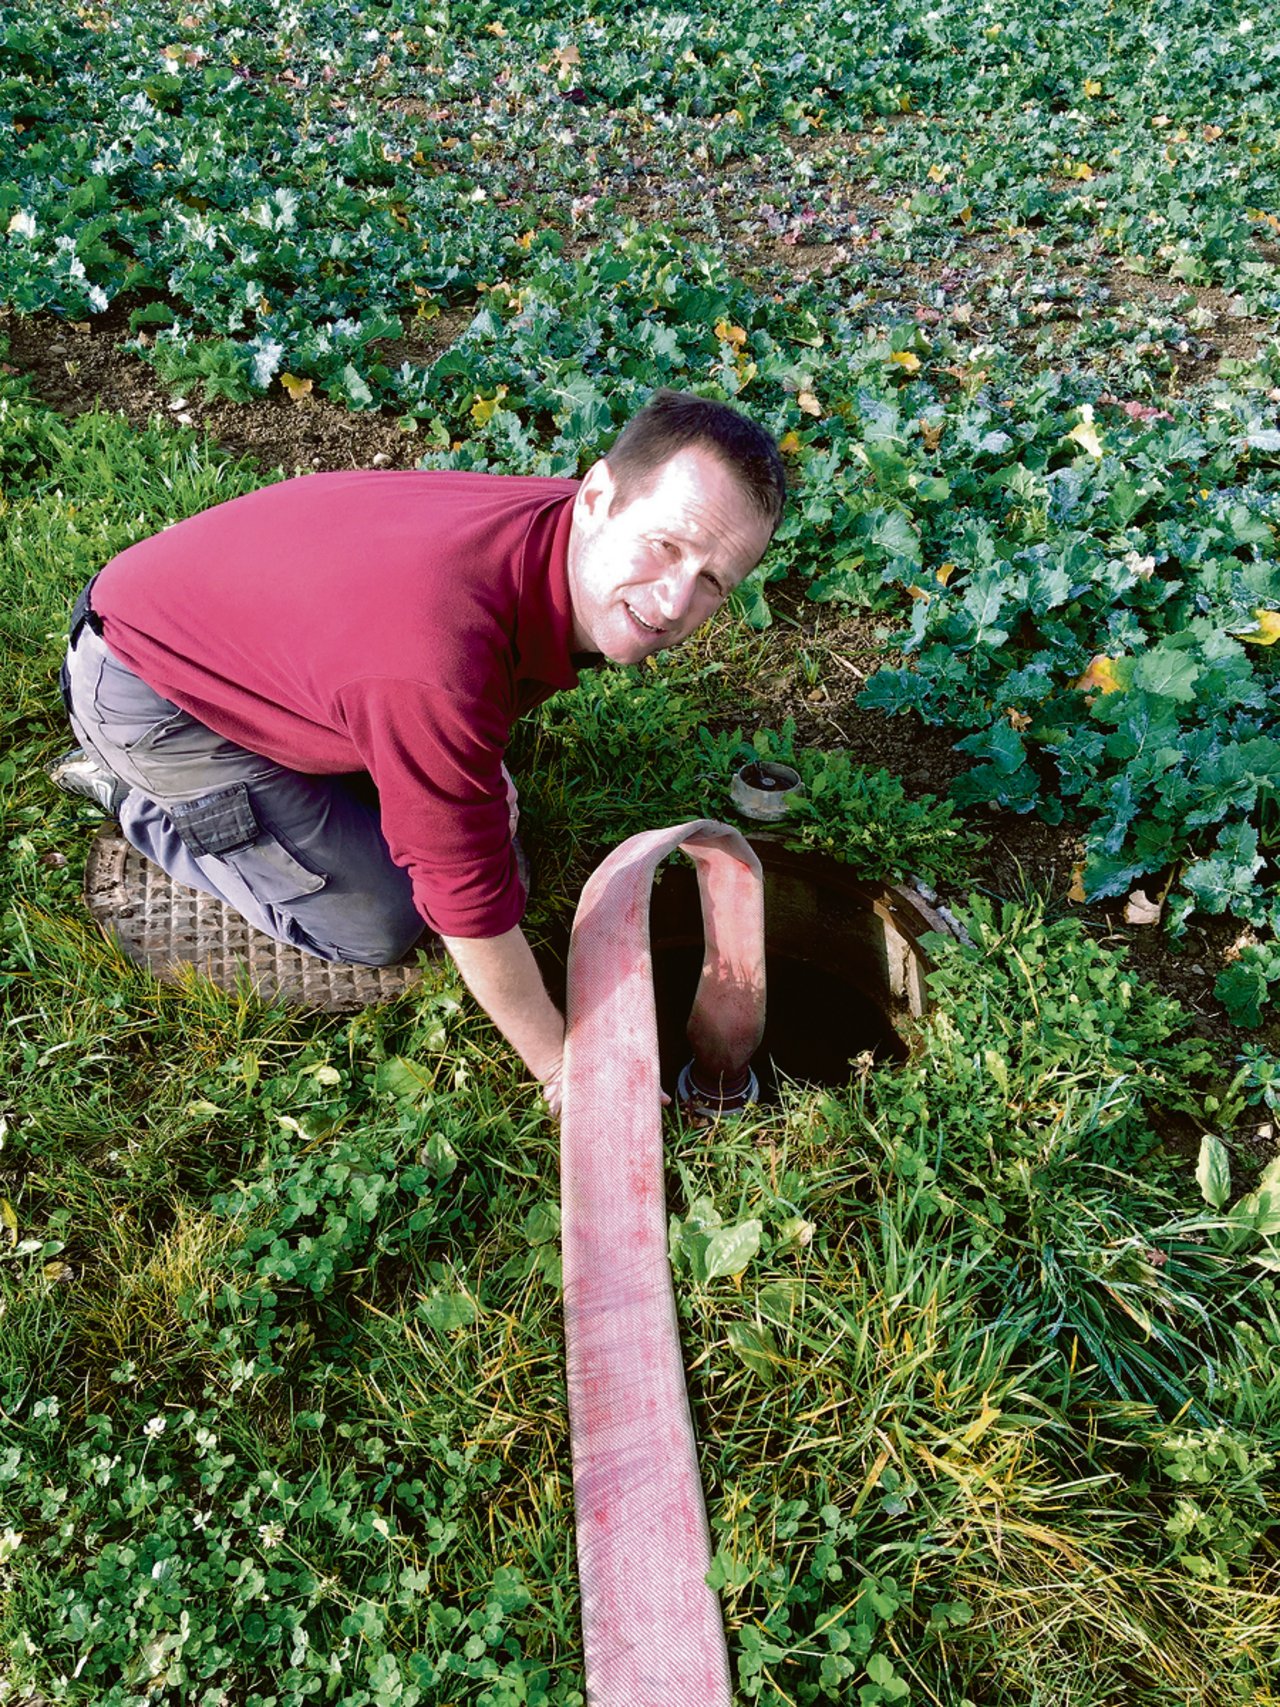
167 927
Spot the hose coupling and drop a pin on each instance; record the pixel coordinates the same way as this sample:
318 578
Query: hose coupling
709 1095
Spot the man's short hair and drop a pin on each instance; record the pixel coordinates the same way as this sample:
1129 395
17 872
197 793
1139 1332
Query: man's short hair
672 421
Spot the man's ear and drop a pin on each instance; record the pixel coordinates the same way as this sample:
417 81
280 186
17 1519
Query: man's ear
595 495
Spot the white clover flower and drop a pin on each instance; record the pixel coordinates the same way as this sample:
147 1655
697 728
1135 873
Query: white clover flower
271 1534
10 1541
97 299
154 1428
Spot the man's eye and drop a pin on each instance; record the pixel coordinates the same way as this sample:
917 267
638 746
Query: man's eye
714 585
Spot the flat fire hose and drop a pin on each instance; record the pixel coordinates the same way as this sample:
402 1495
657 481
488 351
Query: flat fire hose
653 1634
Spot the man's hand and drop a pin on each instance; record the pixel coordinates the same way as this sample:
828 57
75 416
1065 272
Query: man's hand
552 1091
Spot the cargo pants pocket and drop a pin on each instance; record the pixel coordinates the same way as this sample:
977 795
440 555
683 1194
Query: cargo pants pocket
223 826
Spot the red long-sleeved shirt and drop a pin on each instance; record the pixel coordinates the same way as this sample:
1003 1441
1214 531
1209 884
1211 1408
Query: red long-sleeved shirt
382 621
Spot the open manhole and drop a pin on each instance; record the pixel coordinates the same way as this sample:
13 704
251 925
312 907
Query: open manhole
844 966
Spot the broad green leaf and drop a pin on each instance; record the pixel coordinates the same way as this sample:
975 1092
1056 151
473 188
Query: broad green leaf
448 1311
404 1079
1167 671
732 1248
756 1347
1213 1171
542 1223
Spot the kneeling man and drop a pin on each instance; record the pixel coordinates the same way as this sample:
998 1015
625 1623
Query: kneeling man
300 700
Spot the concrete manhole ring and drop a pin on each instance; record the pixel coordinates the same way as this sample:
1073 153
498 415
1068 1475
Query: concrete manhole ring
167 928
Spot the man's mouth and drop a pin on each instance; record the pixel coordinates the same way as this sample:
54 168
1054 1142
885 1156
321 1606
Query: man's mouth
640 622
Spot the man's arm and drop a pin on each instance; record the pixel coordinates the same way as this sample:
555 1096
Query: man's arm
503 976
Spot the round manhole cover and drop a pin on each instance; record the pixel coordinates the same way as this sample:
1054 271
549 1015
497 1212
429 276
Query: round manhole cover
167 928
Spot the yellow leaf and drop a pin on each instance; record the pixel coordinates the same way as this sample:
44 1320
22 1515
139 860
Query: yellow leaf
1085 433
9 1219
1101 676
297 388
567 56
905 359
937 174
944 572
525 238
1092 87
789 443
1268 630
931 432
809 403
1019 719
1076 892
495 29
485 408
729 334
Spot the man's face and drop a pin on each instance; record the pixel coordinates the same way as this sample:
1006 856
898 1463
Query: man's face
646 574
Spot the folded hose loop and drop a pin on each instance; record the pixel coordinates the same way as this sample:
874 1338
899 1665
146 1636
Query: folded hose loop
652 1630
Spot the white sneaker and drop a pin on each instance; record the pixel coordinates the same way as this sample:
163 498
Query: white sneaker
79 773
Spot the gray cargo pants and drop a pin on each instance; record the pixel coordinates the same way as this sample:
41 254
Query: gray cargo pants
303 858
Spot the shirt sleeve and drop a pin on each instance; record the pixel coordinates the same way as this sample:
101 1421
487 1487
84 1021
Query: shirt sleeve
434 751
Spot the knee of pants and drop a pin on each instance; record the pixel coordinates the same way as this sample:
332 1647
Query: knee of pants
381 943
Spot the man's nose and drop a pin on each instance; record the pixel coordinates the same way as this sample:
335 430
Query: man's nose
673 594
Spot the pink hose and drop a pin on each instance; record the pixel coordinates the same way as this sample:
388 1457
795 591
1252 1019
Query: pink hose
652 1629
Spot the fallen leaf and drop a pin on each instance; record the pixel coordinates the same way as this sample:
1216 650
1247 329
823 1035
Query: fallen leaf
931 432
1267 632
567 56
297 388
1092 87
729 334
905 359
789 443
1100 677
944 573
1019 719
1076 892
937 174
809 403
1211 132
495 29
9 1219
1139 910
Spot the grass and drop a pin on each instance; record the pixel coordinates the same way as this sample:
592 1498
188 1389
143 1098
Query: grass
992 1415
280 1373
281 1391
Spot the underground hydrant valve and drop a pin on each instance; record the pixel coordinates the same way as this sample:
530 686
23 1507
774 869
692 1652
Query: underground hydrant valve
711 1095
